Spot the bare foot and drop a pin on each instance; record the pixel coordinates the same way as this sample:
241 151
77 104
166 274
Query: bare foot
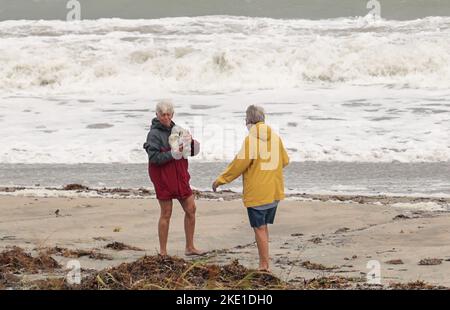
194 252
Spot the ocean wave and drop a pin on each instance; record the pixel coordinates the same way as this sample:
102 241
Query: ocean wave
221 53
125 152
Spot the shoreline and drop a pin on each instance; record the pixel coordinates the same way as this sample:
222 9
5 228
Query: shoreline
326 178
81 191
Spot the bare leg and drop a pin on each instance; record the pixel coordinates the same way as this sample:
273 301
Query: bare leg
163 225
189 208
262 241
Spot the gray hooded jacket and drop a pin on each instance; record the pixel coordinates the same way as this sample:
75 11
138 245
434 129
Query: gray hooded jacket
157 145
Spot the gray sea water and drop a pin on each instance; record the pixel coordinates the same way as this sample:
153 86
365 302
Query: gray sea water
285 9
416 179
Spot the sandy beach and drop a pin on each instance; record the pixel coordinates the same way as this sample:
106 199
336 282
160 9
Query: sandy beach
358 92
310 239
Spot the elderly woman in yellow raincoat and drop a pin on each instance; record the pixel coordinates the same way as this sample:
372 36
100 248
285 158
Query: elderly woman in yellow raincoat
260 161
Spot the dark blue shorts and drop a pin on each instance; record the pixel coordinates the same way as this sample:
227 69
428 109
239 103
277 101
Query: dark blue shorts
261 217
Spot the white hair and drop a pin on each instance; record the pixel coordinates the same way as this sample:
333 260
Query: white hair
164 106
254 114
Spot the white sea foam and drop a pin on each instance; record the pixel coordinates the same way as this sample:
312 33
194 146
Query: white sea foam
58 193
221 53
336 90
423 206
351 124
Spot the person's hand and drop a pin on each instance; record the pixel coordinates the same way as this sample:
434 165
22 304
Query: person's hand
215 185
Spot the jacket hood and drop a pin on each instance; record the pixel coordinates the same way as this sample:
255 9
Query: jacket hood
261 131
156 124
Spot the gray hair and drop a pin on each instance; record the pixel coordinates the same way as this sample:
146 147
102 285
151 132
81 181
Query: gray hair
254 114
164 106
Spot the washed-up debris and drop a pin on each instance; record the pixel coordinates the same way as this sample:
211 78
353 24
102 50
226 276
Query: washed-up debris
100 238
386 251
243 246
74 187
401 217
165 272
383 199
8 280
417 285
125 192
48 284
332 282
315 266
430 261
16 261
342 230
7 238
93 254
395 262
11 189
119 246
226 195
316 240
229 195
297 235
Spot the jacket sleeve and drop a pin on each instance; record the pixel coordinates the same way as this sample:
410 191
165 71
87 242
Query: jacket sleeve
284 155
237 167
153 149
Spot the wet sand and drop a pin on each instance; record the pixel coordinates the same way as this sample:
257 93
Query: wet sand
309 239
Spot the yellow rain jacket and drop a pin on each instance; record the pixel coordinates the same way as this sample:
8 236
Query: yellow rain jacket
261 161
